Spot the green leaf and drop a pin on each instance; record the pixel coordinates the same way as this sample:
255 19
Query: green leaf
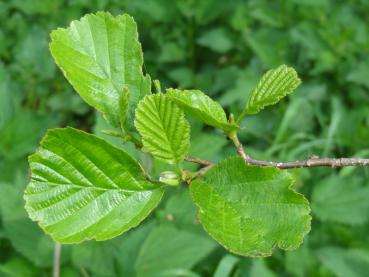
342 200
168 248
20 135
24 235
259 268
100 55
18 266
250 209
97 256
226 266
200 106
123 107
165 131
345 262
85 188
129 248
181 211
301 262
273 86
217 39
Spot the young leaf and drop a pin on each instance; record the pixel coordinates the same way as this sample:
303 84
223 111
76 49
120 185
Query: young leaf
250 209
164 130
273 86
85 188
100 55
200 106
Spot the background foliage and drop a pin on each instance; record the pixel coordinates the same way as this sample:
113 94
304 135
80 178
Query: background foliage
222 48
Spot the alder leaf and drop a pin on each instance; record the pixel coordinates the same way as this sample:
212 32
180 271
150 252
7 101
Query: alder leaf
85 188
165 131
100 55
273 86
250 209
202 107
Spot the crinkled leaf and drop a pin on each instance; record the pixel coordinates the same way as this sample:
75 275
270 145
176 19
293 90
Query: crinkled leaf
200 106
100 55
273 86
165 131
250 209
85 188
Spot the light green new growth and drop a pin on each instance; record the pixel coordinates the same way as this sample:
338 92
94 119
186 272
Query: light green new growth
250 209
202 107
100 55
84 188
273 86
165 131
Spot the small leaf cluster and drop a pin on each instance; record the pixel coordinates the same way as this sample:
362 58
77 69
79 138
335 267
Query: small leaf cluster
83 188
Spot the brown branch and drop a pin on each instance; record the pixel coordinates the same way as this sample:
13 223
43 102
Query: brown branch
331 162
198 161
203 170
311 162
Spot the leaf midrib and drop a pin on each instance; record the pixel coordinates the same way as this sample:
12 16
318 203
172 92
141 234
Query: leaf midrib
53 184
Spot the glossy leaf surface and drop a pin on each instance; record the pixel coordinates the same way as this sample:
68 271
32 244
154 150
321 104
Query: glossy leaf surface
84 188
202 107
249 209
165 131
273 86
100 55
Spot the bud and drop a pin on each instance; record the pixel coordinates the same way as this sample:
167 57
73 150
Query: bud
169 177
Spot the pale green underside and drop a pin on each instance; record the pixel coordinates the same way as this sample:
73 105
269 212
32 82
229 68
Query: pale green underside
100 55
273 86
85 188
250 210
165 131
200 106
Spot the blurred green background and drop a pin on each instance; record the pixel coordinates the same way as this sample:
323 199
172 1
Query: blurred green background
222 48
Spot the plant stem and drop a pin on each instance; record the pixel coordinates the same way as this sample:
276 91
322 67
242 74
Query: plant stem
312 162
233 137
198 161
203 170
57 256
